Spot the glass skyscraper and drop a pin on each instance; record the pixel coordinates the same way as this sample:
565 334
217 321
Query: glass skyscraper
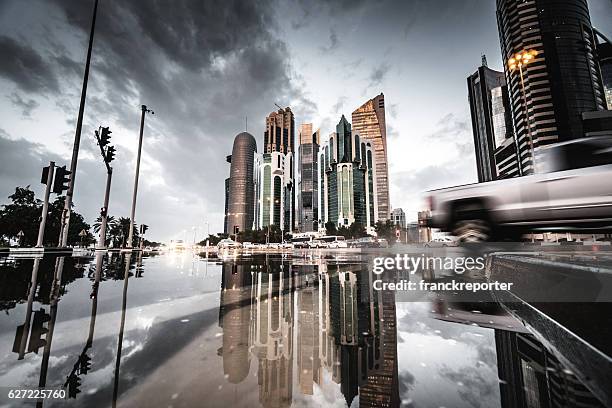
308 151
491 124
347 174
240 185
369 122
562 82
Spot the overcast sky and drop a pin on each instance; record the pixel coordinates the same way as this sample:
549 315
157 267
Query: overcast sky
203 66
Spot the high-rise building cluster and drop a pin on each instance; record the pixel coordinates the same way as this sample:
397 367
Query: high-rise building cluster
555 86
300 183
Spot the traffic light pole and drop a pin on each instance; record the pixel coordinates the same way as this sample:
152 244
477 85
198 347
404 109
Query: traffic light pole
133 213
45 210
65 220
104 214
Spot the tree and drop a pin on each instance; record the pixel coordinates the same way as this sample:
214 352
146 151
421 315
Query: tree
385 230
23 214
110 223
330 228
213 239
122 231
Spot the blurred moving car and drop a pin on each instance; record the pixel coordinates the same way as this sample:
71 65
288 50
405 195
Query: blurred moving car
571 191
442 242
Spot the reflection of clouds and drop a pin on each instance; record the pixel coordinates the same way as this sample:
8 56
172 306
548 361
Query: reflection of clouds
450 364
474 385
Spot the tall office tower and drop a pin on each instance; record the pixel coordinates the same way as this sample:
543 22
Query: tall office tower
561 82
240 185
347 188
274 190
491 123
604 55
308 151
227 180
280 131
369 121
275 185
398 216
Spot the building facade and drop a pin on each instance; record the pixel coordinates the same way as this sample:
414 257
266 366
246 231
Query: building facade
560 83
492 124
274 189
307 214
347 174
604 55
240 204
398 216
369 121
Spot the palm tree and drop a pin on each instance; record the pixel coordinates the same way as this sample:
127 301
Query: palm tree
110 226
123 227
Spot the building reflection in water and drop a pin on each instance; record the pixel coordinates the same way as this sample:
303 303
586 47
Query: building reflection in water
529 374
324 316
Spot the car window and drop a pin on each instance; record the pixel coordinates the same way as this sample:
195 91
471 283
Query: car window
581 154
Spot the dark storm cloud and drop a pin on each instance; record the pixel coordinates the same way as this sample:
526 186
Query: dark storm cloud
26 106
25 67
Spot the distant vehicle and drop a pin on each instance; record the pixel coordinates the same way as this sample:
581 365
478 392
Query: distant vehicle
334 241
302 242
249 245
442 242
227 243
382 243
286 245
571 191
365 242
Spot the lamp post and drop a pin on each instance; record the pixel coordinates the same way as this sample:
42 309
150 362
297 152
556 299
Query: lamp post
145 110
519 60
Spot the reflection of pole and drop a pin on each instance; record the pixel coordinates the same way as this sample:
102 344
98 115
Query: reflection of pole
527 119
94 298
54 299
77 139
120 340
26 324
104 213
45 210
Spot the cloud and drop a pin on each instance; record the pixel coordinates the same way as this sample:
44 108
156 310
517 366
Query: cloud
25 67
27 106
378 74
334 43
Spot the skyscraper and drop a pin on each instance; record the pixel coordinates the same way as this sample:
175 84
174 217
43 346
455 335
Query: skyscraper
347 189
240 185
561 82
369 122
604 55
491 123
275 190
308 151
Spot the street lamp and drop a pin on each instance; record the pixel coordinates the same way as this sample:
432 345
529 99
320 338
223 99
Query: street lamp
519 60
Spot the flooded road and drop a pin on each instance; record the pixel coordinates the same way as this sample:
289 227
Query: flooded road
178 330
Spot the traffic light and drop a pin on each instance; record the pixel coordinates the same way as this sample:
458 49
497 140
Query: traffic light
62 178
45 175
38 331
110 154
73 382
84 363
143 229
105 136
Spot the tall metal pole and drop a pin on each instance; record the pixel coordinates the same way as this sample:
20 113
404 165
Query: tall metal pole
45 210
63 240
104 214
133 213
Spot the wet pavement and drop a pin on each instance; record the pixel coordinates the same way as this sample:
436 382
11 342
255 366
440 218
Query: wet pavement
179 329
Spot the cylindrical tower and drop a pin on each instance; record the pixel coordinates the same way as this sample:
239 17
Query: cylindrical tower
240 204
563 79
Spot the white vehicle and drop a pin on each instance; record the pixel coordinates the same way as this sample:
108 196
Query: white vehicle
302 242
334 241
228 244
442 242
571 191
249 245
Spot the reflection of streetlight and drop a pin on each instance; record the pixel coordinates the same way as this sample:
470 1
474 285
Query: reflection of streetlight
517 61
